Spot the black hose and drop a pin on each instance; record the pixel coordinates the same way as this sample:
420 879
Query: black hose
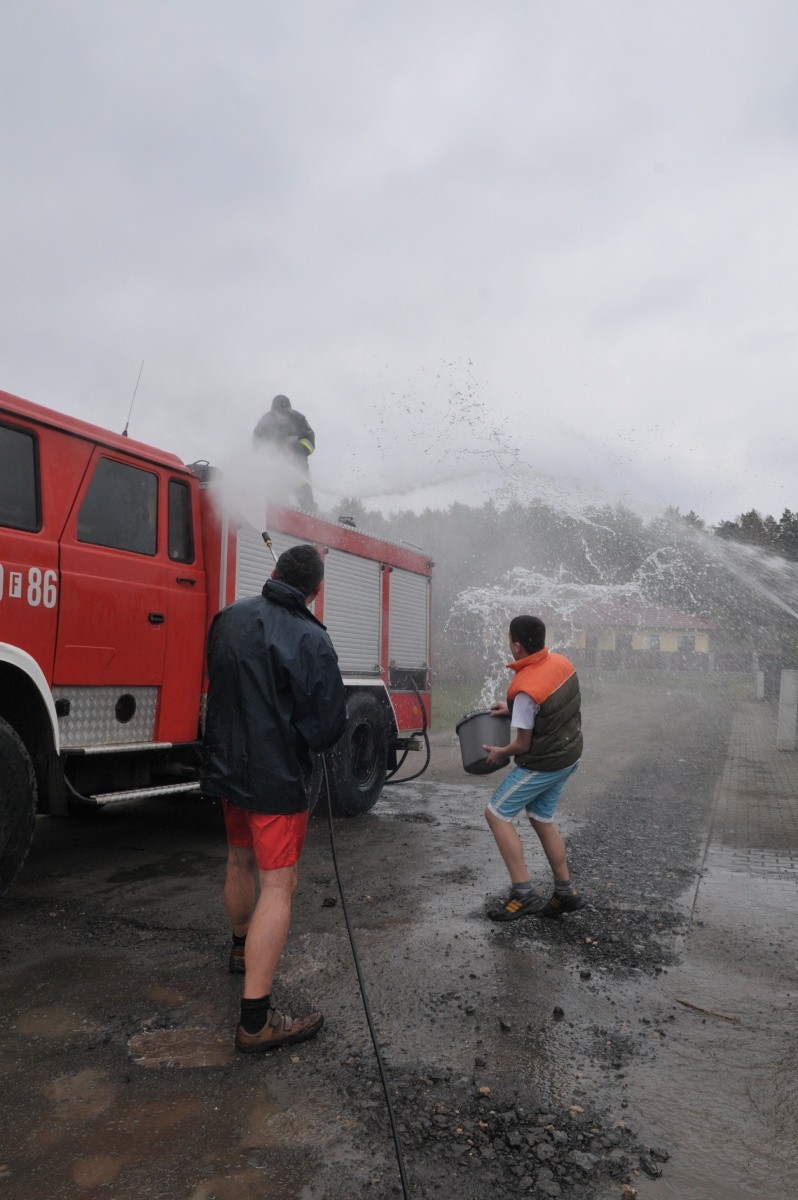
409 778
399 765
383 1077
389 779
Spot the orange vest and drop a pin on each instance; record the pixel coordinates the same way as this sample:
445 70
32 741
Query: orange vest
552 682
539 675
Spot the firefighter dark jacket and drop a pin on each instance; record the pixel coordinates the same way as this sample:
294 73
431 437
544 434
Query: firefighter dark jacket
275 694
288 430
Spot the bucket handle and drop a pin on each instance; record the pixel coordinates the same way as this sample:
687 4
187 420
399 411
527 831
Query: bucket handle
478 712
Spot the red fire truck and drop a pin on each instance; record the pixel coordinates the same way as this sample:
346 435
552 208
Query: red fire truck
114 557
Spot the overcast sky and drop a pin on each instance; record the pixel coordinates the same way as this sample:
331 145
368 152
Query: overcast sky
554 243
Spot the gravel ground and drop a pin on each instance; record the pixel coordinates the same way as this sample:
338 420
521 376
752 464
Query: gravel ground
501 1143
512 1050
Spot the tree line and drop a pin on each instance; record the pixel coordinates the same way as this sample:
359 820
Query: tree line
740 575
752 529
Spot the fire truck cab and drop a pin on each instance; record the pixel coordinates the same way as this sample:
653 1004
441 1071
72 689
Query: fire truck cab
114 558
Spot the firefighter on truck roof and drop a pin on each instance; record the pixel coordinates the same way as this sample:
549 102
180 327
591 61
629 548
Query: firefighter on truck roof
289 433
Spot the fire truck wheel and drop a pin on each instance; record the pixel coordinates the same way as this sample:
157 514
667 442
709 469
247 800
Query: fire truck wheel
357 765
17 804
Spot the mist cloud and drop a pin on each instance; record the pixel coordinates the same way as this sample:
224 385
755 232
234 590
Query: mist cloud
578 219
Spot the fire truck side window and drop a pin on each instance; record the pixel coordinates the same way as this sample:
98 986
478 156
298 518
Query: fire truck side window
181 534
19 483
120 508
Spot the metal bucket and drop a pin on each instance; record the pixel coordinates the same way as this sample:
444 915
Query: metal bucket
477 730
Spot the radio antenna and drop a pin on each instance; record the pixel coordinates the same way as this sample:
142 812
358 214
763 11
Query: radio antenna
133 401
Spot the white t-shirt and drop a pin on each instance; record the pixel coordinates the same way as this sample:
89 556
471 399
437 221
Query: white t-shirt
524 711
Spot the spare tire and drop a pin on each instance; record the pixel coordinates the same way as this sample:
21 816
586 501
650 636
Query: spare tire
17 804
357 765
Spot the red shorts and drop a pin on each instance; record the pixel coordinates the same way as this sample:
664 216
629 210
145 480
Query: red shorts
277 839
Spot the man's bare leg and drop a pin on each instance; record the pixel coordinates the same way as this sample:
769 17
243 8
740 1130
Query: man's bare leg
262 1027
268 930
553 847
510 847
523 898
239 888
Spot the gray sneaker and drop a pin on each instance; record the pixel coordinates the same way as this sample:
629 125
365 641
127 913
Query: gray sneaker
516 906
557 905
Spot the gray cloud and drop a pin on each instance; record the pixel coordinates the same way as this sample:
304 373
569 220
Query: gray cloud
580 218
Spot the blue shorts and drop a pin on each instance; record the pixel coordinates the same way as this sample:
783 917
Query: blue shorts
536 791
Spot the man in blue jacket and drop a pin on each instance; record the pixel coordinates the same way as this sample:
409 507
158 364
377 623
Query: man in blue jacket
275 694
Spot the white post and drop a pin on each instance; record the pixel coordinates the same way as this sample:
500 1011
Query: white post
760 685
787 736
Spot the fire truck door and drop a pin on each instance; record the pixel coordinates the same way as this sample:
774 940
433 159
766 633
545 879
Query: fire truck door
113 606
179 712
28 550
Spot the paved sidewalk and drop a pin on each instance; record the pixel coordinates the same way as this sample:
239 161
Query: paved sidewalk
755 826
723 1092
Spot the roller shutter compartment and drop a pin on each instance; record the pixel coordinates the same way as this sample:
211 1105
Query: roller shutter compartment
352 611
409 628
254 562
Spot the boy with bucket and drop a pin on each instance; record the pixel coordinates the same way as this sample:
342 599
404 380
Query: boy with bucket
543 704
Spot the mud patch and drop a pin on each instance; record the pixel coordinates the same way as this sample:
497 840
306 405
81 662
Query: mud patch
83 1096
270 1126
164 994
183 1048
51 1021
159 1118
97 1172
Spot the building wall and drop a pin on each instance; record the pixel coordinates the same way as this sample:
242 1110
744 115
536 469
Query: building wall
649 647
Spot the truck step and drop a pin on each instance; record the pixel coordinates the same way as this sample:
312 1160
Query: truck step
172 789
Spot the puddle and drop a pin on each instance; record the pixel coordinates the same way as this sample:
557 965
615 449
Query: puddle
82 1097
51 1021
181 1048
159 1118
710 1162
163 994
270 1128
101 1171
725 1094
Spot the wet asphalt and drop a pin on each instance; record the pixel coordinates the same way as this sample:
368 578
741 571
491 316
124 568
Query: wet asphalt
644 1046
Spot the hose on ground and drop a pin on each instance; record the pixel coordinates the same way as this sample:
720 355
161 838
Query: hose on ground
363 996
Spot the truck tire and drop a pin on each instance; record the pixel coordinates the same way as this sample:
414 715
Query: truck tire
17 805
356 767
